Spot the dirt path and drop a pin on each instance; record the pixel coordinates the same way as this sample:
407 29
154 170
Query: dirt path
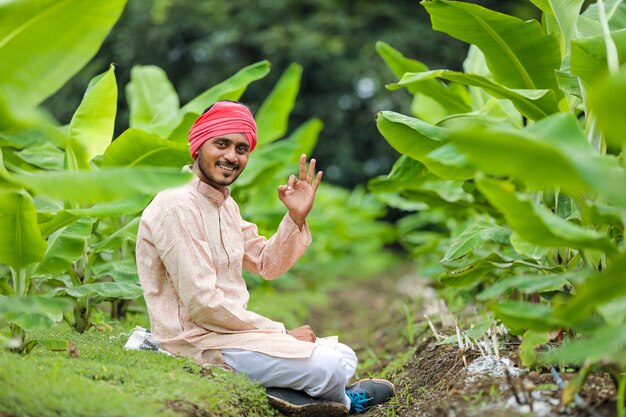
439 380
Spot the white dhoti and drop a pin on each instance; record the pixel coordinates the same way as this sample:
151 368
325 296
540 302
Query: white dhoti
323 375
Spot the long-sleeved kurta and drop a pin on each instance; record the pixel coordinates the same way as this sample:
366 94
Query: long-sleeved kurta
191 247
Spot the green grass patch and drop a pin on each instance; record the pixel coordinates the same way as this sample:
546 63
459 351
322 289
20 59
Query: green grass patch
106 380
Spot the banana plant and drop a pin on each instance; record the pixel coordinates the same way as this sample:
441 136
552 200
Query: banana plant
53 188
37 70
522 152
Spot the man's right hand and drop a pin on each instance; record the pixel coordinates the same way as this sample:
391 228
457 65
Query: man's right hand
304 333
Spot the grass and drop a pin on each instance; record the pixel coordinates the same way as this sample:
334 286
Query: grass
106 380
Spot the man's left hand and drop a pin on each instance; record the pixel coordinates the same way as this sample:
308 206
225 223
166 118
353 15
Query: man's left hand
298 194
304 333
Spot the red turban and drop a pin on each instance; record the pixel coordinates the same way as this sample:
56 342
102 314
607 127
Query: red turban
225 117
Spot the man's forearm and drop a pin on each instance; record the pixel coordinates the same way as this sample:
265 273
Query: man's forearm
298 219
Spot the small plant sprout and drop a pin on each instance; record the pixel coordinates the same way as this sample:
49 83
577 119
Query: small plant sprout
409 323
468 343
480 349
496 348
432 327
459 338
461 345
446 318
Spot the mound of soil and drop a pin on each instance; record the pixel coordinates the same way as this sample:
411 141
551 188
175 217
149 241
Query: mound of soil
375 318
436 382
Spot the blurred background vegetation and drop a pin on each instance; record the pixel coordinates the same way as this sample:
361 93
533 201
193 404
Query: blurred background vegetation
202 42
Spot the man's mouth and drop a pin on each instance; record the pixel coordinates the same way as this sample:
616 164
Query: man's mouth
227 167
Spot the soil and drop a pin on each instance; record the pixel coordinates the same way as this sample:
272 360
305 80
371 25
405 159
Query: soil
441 379
187 408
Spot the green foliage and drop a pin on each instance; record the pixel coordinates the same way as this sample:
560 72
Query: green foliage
74 193
533 104
20 244
532 339
199 43
54 213
273 115
91 128
33 312
509 44
537 154
47 42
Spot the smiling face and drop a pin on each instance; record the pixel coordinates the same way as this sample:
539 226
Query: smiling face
221 159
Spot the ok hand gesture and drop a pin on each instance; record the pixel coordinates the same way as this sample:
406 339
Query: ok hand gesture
298 194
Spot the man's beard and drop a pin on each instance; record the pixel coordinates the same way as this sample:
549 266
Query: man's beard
214 180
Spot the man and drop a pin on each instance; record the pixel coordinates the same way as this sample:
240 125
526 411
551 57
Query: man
191 247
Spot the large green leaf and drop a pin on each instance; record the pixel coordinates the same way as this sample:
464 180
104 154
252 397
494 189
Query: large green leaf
534 104
106 290
21 243
525 284
151 96
589 57
273 116
115 240
448 163
451 199
91 127
104 185
528 249
476 235
403 173
131 205
416 139
551 153
33 312
603 344
304 138
65 248
475 63
532 339
520 316
607 101
473 271
180 134
614 312
399 64
46 156
408 135
589 21
121 271
448 190
229 89
597 290
538 225
60 220
49 41
494 112
566 14
509 44
33 135
135 147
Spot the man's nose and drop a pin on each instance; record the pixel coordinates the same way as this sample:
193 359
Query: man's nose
231 154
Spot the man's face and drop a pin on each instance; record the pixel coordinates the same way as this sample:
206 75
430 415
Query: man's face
221 159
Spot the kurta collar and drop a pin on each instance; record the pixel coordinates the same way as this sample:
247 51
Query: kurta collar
213 193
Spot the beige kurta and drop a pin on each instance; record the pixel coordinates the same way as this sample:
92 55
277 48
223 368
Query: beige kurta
191 247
